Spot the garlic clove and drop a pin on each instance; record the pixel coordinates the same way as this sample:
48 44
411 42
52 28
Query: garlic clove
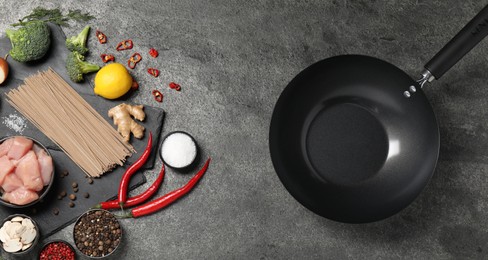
12 246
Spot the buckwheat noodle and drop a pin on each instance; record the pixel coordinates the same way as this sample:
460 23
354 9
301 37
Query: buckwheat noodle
54 107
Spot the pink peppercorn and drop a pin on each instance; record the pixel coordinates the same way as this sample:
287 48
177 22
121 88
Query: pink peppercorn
57 250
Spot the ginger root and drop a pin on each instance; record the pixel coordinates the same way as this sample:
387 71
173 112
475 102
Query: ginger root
123 120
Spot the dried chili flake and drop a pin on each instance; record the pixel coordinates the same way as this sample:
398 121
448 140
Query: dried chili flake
158 96
153 52
125 45
174 86
101 37
133 60
153 72
107 57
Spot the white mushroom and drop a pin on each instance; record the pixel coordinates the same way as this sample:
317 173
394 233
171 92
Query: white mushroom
17 234
12 246
17 219
24 247
3 235
27 223
12 229
7 223
28 236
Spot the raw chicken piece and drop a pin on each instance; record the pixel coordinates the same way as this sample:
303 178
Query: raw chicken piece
11 182
37 149
20 147
5 146
20 196
6 167
28 171
46 166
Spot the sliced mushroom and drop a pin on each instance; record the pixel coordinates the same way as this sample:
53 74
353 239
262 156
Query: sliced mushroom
12 246
24 247
28 236
12 229
27 223
3 235
17 219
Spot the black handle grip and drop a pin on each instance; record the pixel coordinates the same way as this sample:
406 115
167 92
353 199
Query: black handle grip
461 44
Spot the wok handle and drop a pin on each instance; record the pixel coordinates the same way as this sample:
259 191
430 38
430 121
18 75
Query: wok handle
462 43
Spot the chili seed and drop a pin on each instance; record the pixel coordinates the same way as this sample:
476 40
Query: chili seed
55 211
72 196
71 204
86 195
74 184
75 190
62 193
90 180
60 197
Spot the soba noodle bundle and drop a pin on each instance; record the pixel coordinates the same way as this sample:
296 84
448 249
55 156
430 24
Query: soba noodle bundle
54 107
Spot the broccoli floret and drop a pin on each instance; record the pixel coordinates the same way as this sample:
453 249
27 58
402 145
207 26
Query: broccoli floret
30 42
78 43
77 67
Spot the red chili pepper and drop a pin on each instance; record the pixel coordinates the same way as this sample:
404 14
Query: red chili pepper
153 72
107 57
124 45
133 60
101 37
135 85
162 202
153 52
136 200
174 86
158 96
124 182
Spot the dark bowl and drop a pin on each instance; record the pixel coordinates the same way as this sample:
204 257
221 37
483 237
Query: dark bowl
78 221
194 160
34 243
57 241
44 190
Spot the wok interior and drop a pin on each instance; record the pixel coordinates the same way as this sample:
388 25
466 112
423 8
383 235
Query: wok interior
348 145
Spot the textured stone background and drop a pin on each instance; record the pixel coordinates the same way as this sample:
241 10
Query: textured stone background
233 58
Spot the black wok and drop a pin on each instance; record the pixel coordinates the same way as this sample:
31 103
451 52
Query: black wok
354 138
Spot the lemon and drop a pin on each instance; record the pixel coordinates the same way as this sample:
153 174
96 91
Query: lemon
112 81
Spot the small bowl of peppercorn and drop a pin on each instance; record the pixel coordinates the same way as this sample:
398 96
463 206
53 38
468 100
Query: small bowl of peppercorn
97 233
57 249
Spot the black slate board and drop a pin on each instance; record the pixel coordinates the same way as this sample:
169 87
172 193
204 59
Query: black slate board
103 188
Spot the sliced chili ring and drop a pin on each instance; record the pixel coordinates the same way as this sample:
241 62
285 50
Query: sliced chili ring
125 45
174 86
107 57
158 96
101 37
133 60
153 72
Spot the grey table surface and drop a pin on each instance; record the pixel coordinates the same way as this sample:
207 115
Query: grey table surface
233 59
